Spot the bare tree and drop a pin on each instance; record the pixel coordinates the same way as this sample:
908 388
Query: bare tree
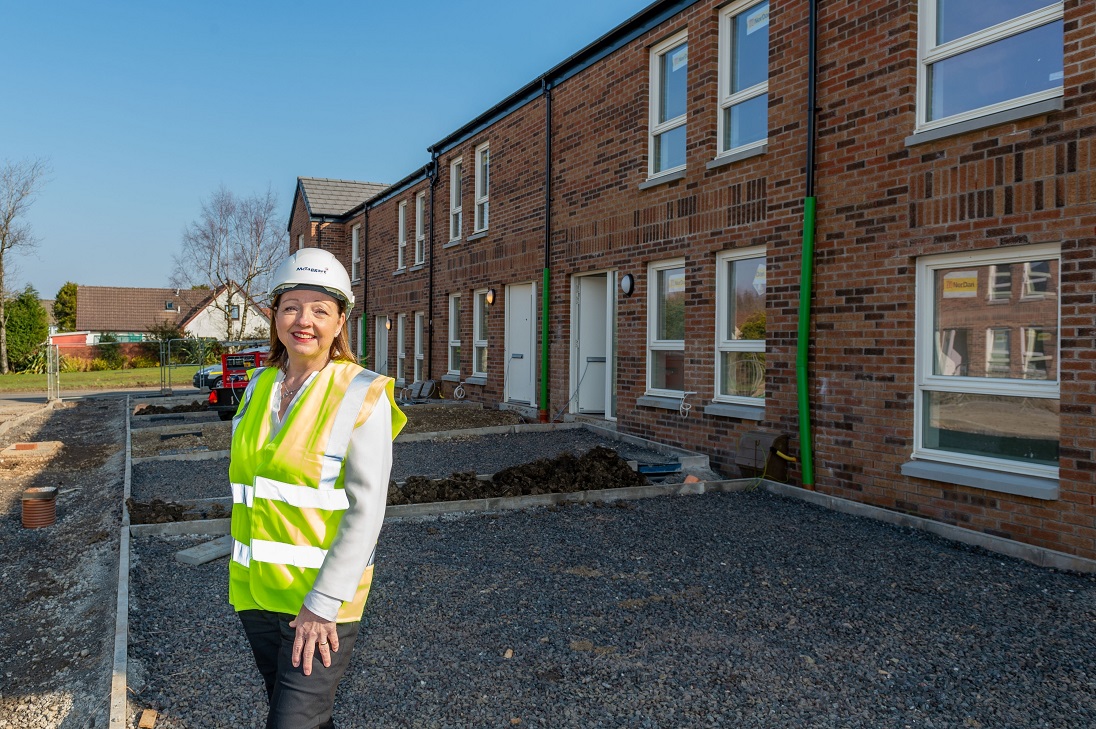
19 184
233 247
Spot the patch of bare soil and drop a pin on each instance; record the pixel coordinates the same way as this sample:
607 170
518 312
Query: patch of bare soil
216 436
158 511
435 418
58 584
190 407
599 468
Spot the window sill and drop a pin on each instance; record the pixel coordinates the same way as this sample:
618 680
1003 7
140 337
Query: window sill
659 401
477 236
416 267
476 380
399 272
1033 487
737 157
451 377
729 410
662 179
452 243
989 120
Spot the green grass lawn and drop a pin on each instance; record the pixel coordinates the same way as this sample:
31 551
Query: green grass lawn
105 380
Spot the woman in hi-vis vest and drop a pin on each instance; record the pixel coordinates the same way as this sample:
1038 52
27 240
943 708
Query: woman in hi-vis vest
311 456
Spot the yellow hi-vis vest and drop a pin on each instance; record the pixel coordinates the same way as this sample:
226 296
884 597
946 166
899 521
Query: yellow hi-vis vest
287 491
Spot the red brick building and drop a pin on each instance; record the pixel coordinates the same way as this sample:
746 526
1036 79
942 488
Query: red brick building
867 225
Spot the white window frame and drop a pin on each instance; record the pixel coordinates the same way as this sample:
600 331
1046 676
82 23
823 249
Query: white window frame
479 330
929 53
483 187
454 335
300 241
926 381
723 288
657 128
727 99
420 354
401 349
420 228
456 215
401 248
356 252
654 344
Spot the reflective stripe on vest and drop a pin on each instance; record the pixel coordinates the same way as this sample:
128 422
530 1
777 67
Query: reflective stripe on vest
303 497
253 377
243 554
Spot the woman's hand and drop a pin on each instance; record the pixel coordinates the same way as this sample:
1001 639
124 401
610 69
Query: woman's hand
313 634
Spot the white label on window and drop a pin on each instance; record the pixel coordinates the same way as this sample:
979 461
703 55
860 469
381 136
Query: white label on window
1056 76
757 20
960 285
759 279
680 58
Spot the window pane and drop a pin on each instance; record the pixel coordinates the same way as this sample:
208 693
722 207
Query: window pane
742 374
481 359
957 18
1015 428
746 123
481 317
980 327
671 304
670 149
746 301
750 62
673 65
1016 66
667 370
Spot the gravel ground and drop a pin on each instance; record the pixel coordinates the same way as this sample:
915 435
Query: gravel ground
184 480
742 610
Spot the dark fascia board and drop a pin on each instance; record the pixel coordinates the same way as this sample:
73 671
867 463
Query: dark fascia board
297 192
642 22
396 188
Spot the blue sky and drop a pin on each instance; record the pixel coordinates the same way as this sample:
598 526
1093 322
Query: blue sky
142 109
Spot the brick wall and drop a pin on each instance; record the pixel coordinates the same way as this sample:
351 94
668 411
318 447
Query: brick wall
883 204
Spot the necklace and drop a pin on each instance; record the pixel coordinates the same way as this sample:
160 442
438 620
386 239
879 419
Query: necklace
286 392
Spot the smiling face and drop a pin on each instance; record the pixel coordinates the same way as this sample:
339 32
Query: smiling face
307 323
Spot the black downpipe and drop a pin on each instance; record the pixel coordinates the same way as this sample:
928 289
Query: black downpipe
364 326
812 83
545 299
432 175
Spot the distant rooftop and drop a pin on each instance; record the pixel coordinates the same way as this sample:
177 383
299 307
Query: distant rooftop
324 196
127 309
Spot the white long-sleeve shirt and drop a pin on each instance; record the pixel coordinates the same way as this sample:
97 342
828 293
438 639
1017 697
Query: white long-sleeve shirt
368 466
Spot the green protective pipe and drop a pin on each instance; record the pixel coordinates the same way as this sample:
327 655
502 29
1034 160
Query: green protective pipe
544 406
802 344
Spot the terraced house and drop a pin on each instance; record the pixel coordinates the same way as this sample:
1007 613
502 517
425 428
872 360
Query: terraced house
866 225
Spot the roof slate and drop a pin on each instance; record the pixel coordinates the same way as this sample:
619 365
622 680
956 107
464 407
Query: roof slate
121 309
325 196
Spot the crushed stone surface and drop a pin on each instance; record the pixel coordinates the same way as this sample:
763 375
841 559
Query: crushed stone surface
720 610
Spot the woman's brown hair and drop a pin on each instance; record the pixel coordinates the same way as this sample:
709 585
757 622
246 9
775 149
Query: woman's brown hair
340 347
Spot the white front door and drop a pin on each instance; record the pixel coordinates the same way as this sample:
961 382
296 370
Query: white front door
380 365
590 371
521 339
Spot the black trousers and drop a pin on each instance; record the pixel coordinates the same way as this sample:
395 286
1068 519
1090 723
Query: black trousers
296 701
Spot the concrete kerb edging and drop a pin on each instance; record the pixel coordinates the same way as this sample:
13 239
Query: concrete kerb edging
195 456
119 703
1040 556
219 527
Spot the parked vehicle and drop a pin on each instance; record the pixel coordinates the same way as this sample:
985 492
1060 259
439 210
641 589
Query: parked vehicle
228 387
208 377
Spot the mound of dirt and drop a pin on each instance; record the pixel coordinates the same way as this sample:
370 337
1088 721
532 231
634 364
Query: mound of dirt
162 512
599 468
435 418
190 407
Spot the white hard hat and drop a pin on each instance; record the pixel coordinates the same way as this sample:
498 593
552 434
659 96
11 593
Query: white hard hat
316 269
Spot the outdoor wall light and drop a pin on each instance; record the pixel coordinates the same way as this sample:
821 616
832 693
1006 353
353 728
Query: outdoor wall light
627 284
388 323
490 297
